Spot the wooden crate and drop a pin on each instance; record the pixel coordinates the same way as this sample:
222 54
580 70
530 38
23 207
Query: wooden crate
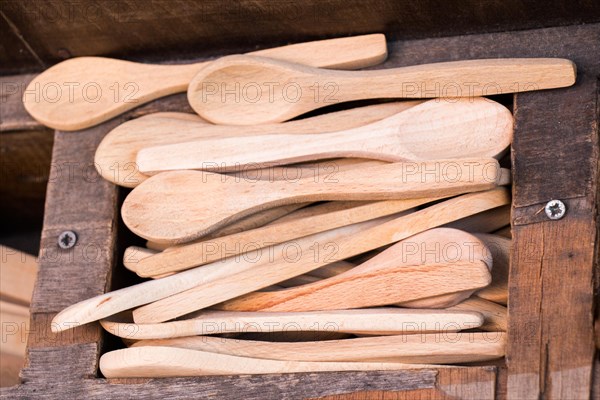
553 275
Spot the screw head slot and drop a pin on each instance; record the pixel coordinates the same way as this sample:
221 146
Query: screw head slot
555 209
67 239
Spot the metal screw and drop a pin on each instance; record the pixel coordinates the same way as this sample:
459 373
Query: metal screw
67 239
555 209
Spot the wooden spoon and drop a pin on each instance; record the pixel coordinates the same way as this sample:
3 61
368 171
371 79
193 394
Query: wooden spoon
355 239
179 258
246 90
433 130
500 250
162 362
495 315
171 207
424 266
115 157
81 92
422 348
380 321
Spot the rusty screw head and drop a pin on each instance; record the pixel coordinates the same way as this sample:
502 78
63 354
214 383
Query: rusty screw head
555 209
67 239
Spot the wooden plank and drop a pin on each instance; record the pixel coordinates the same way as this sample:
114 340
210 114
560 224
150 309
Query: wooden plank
474 383
249 387
14 117
129 28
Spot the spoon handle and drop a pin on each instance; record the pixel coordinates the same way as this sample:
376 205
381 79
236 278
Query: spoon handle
120 85
157 362
423 348
454 79
345 242
379 321
403 180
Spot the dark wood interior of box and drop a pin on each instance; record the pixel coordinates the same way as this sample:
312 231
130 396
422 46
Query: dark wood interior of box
551 351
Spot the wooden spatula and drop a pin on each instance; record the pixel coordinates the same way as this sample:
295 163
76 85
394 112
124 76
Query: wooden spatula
355 239
413 269
116 155
422 348
380 321
475 127
81 92
162 362
171 207
179 258
296 89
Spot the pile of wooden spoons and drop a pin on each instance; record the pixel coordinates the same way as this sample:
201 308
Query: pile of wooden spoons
371 238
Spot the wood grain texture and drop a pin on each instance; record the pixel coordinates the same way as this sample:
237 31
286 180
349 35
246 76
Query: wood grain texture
349 241
160 211
474 127
499 248
545 180
405 274
418 349
495 315
276 103
43 34
116 154
138 83
165 362
379 321
178 258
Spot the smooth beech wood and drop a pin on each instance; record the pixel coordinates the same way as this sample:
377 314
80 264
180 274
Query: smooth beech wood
426 267
295 89
53 99
171 207
115 158
249 275
462 128
178 258
380 321
499 247
353 240
495 315
18 272
421 349
162 362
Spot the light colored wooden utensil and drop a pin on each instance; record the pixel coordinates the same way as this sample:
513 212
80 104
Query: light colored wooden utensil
115 157
499 247
352 240
380 321
18 272
179 258
425 266
81 92
486 222
162 362
275 91
421 349
433 130
171 207
374 287
495 315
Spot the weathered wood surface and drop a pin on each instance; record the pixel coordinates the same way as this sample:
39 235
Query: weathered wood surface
551 281
38 33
